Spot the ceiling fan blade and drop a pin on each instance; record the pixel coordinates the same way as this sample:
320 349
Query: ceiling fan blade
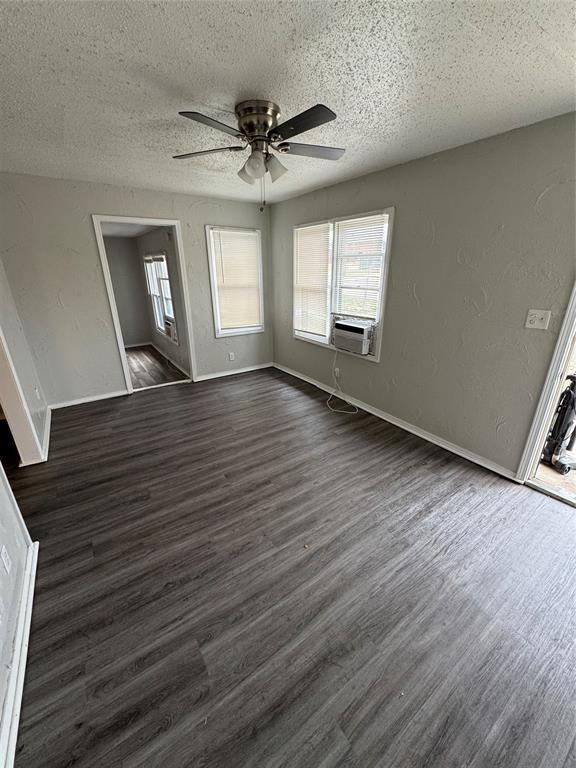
211 123
305 121
207 152
311 150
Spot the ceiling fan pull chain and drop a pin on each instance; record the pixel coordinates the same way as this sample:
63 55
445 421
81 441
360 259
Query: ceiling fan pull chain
262 193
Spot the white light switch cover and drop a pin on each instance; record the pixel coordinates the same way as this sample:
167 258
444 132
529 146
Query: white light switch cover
538 318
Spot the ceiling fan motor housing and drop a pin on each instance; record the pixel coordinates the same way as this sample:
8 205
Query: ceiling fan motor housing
256 117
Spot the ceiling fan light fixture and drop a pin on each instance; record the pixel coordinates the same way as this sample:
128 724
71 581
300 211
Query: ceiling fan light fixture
275 168
245 176
256 164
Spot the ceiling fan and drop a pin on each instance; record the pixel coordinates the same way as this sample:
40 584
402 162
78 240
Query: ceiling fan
259 131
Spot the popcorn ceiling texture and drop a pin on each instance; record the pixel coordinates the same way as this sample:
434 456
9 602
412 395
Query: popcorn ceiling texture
91 90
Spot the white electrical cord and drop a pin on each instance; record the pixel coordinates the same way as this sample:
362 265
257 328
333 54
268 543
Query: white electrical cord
338 392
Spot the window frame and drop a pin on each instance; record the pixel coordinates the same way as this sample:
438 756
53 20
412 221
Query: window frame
152 257
312 339
220 332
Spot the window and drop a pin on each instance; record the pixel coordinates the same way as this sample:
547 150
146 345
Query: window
235 260
339 267
159 290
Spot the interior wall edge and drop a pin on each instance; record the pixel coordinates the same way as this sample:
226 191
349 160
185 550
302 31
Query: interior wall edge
13 702
247 369
89 399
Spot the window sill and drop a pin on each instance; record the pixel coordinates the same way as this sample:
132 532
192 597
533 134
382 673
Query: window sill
238 332
327 345
168 338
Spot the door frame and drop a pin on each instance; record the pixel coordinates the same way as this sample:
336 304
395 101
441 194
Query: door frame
17 413
97 220
550 393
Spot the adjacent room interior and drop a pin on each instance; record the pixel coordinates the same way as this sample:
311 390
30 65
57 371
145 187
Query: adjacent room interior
145 293
287 443
557 459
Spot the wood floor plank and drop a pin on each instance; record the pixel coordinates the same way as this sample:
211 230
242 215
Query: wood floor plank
232 576
148 367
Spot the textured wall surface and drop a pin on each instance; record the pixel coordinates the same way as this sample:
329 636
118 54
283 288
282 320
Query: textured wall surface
482 233
161 241
49 250
405 79
130 292
13 537
22 357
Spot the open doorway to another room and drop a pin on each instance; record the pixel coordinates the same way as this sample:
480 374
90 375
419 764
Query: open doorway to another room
144 277
556 470
549 462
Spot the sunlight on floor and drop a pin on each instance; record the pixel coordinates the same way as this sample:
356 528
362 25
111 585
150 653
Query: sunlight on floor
561 484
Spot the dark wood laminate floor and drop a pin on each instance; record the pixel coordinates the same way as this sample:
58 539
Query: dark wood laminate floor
232 576
148 367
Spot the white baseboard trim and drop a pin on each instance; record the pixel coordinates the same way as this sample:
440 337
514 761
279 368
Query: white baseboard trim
234 372
165 384
431 438
89 399
142 344
13 699
175 364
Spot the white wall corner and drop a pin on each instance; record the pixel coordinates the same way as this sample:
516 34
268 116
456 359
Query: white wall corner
234 371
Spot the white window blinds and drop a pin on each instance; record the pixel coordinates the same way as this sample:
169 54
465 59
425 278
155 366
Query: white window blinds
312 246
339 268
236 276
360 250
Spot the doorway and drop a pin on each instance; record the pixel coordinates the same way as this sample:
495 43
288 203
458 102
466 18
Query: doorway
549 461
142 262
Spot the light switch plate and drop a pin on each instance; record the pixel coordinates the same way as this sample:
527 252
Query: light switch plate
538 318
231 356
6 559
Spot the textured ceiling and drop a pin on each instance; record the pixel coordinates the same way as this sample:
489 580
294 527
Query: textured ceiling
92 90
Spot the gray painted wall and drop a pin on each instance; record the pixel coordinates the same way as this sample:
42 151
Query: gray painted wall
161 240
22 358
482 233
129 282
53 267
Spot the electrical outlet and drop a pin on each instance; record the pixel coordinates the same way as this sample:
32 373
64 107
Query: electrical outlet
337 373
231 356
6 559
538 318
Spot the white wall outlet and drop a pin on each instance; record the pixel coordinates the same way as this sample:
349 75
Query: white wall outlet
231 356
6 559
538 318
337 373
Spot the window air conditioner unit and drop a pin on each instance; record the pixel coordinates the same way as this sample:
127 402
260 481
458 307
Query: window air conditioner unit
353 334
170 329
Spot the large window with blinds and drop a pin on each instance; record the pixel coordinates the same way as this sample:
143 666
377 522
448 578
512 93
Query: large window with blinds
339 268
235 258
